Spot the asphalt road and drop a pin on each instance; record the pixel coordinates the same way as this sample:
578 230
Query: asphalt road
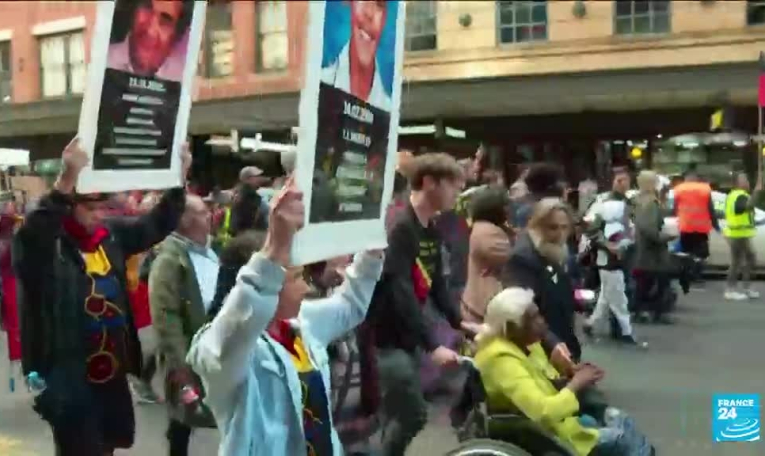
715 347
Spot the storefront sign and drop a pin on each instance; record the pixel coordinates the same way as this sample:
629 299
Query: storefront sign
349 113
135 110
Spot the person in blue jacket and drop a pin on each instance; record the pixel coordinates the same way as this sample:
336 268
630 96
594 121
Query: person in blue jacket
263 358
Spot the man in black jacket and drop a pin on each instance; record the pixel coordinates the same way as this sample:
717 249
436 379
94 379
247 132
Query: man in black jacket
413 274
537 262
76 323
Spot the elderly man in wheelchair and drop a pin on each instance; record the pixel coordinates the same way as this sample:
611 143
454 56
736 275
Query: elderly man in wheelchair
516 400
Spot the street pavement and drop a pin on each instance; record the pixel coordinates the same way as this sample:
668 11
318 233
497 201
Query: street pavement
714 347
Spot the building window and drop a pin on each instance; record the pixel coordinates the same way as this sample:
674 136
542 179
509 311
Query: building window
273 49
62 64
421 25
522 21
641 17
219 41
755 12
6 75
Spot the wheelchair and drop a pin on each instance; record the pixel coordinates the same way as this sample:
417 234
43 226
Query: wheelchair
506 433
344 355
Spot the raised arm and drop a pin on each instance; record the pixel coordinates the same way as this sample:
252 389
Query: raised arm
37 236
334 316
139 235
220 352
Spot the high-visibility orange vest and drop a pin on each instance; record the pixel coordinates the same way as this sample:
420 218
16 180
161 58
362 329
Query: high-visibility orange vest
692 203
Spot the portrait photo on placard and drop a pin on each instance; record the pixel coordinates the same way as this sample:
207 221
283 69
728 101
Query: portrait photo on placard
359 49
141 92
149 38
354 104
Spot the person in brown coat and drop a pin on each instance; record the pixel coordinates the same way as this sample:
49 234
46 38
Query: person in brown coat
489 252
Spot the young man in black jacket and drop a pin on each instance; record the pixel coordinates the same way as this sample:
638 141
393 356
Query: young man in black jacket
77 327
413 274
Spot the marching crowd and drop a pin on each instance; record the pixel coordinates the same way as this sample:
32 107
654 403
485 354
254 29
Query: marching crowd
112 291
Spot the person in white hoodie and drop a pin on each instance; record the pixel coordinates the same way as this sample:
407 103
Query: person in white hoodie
611 217
263 359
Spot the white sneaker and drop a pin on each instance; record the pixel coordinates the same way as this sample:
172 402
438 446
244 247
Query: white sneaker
752 294
735 296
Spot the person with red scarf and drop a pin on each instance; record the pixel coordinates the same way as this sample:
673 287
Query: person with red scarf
263 358
9 316
77 328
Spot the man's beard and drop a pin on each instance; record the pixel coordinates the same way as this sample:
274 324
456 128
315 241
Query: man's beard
554 252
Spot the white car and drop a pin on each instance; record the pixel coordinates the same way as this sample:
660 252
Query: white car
719 253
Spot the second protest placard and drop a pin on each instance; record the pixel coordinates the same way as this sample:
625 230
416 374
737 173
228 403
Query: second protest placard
349 115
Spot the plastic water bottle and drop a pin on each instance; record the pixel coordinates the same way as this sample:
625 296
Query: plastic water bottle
36 383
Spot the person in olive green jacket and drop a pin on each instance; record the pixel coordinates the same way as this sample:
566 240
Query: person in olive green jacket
518 377
181 290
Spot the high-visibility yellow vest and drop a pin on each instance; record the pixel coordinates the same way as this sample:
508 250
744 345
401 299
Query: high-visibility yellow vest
738 226
224 235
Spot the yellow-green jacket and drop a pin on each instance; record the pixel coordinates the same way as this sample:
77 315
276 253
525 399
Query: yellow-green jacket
738 226
514 380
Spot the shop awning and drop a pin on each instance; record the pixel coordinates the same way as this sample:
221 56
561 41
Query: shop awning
733 84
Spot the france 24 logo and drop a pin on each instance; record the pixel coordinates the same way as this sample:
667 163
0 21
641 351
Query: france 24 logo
736 417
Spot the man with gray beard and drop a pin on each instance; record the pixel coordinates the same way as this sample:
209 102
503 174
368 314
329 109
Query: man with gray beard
537 262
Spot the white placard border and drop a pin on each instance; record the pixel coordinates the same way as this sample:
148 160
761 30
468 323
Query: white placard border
321 241
107 181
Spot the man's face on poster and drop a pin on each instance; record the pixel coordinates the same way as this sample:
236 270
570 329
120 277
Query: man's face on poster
367 23
153 34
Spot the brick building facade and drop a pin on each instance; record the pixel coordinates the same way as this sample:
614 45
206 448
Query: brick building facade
466 62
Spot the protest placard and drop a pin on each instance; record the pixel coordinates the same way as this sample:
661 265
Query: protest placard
349 115
136 107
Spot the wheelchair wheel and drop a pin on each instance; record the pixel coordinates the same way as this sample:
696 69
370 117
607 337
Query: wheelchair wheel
487 447
341 372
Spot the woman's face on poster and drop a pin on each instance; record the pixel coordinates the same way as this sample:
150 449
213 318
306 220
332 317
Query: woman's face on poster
153 33
367 23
